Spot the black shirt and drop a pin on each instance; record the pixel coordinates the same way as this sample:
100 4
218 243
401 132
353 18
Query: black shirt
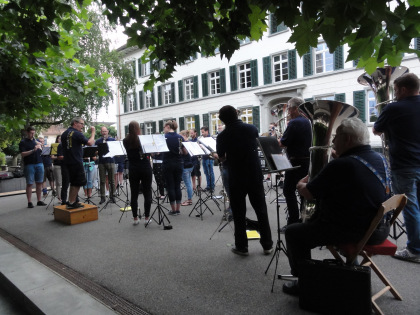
135 158
72 141
27 145
297 137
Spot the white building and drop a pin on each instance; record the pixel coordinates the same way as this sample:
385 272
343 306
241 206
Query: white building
259 76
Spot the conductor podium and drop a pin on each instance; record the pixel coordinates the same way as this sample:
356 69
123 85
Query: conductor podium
75 216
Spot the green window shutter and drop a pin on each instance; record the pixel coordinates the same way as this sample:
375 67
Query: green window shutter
197 122
338 58
267 70
281 27
205 120
159 95
133 63
355 62
359 101
124 99
233 78
135 101
181 123
254 73
204 84
256 117
307 63
417 43
291 57
140 68
195 85
142 128
125 130
180 90
153 97
172 92
154 127
273 24
160 125
222 80
340 97
141 99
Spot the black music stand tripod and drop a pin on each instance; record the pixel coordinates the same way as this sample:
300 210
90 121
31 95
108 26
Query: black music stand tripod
127 201
161 216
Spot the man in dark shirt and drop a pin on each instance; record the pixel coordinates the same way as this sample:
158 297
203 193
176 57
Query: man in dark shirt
48 170
34 169
297 140
400 121
237 145
106 167
349 194
72 140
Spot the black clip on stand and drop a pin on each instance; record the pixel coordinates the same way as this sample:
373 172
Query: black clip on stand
280 247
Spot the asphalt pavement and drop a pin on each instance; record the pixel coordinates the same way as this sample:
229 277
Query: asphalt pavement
107 266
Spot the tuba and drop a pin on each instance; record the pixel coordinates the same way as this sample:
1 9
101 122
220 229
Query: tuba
325 117
380 82
280 111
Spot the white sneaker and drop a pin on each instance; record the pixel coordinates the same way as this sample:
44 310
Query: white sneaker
106 193
136 221
147 221
405 254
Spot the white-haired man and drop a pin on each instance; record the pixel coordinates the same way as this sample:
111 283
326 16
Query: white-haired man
348 193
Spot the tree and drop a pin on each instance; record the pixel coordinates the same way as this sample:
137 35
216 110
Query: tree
376 31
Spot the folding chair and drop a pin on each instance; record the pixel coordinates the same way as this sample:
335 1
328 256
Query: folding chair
351 251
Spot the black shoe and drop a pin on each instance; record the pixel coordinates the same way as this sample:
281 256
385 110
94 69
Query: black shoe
283 229
291 287
112 200
102 200
241 252
41 203
75 205
63 203
268 251
30 205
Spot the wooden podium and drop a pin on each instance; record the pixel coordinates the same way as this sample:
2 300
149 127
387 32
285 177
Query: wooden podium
75 216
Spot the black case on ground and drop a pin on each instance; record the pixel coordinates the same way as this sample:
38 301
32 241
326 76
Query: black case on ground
331 287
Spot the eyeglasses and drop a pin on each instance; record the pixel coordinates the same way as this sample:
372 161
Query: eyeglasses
80 123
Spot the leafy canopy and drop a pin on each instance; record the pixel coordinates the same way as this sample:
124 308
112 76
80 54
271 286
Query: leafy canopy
377 31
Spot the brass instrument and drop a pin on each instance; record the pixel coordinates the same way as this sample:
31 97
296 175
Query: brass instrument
280 111
325 117
381 82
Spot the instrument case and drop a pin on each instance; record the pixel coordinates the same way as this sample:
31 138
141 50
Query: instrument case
331 287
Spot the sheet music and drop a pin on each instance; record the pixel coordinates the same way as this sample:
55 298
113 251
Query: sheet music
115 148
281 161
209 142
193 148
46 151
153 143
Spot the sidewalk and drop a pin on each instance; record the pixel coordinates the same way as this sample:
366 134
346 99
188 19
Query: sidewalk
178 271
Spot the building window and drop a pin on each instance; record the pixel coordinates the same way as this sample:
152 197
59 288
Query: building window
246 115
147 68
324 60
244 41
190 122
373 112
214 82
130 102
167 94
326 98
214 122
148 99
148 128
245 76
189 88
280 67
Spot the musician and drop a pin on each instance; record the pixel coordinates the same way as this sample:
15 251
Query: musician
140 171
173 165
208 163
106 167
297 140
30 150
48 170
237 145
196 173
348 193
72 140
186 171
58 161
400 122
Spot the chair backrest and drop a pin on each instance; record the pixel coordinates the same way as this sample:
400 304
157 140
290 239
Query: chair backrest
397 203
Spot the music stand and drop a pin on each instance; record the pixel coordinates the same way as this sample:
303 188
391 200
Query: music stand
48 151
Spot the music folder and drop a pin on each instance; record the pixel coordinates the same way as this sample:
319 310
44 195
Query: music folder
153 143
89 152
46 151
272 152
193 148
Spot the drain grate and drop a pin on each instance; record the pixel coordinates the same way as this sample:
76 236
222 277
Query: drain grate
108 298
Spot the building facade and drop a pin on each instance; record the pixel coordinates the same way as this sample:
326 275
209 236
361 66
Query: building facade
259 76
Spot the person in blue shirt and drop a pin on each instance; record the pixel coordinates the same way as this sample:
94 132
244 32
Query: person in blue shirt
31 150
400 121
208 163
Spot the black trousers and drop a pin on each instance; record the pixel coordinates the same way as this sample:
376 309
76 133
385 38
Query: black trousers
172 171
144 176
289 190
239 189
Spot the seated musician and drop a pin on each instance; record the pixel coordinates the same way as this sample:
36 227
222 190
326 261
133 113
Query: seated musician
348 194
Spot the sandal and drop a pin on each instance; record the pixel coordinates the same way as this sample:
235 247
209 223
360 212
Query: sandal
187 203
